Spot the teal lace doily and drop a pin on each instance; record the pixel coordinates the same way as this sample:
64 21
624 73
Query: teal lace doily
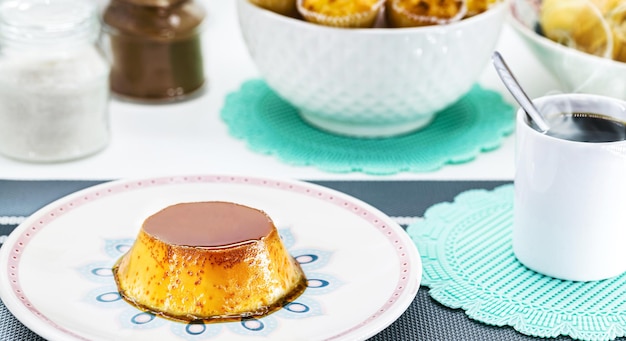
476 123
468 263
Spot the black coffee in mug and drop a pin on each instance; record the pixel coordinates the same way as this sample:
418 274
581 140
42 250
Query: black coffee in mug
586 127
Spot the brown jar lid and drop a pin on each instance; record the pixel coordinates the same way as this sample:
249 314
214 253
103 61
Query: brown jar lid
173 22
154 3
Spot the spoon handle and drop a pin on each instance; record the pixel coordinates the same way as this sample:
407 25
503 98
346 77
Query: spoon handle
518 93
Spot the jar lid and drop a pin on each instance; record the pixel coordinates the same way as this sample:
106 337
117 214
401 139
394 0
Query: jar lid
46 23
155 3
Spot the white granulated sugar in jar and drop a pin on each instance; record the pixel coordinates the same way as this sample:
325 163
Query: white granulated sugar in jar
54 109
54 89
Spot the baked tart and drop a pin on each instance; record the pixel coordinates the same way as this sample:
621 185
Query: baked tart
284 7
475 7
341 13
411 13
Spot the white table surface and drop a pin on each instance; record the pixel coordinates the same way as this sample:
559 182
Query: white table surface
190 138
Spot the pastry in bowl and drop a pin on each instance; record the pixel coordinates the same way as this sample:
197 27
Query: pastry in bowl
369 83
616 17
284 7
208 261
596 27
579 24
478 6
341 13
410 13
574 70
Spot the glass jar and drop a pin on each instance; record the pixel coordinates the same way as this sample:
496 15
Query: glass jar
155 48
54 89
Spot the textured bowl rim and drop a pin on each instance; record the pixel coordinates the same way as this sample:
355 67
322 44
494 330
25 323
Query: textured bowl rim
521 28
501 6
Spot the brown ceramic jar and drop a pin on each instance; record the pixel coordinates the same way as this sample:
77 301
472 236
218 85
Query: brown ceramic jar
155 48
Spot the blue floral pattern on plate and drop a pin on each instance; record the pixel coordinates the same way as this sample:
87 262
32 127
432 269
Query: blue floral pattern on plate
305 306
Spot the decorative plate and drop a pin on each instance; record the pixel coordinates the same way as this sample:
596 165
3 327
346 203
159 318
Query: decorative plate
363 270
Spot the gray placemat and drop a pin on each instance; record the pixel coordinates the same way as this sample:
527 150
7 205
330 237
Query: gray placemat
425 319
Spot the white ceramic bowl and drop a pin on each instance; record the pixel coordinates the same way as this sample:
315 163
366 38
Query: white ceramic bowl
575 70
369 82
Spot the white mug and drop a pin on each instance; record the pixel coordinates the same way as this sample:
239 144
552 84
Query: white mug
570 196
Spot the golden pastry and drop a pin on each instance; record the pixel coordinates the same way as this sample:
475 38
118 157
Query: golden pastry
478 6
606 6
284 7
578 24
409 13
616 17
341 13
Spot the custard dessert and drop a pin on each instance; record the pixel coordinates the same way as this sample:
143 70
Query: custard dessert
210 261
341 13
411 13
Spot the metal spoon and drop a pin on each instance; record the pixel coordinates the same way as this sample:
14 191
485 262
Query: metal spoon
518 93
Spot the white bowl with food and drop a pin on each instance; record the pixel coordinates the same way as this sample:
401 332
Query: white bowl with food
576 41
369 82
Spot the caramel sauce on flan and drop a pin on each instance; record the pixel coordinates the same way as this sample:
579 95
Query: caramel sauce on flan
215 224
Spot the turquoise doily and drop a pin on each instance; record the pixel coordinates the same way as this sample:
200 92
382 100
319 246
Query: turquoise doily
476 123
468 263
